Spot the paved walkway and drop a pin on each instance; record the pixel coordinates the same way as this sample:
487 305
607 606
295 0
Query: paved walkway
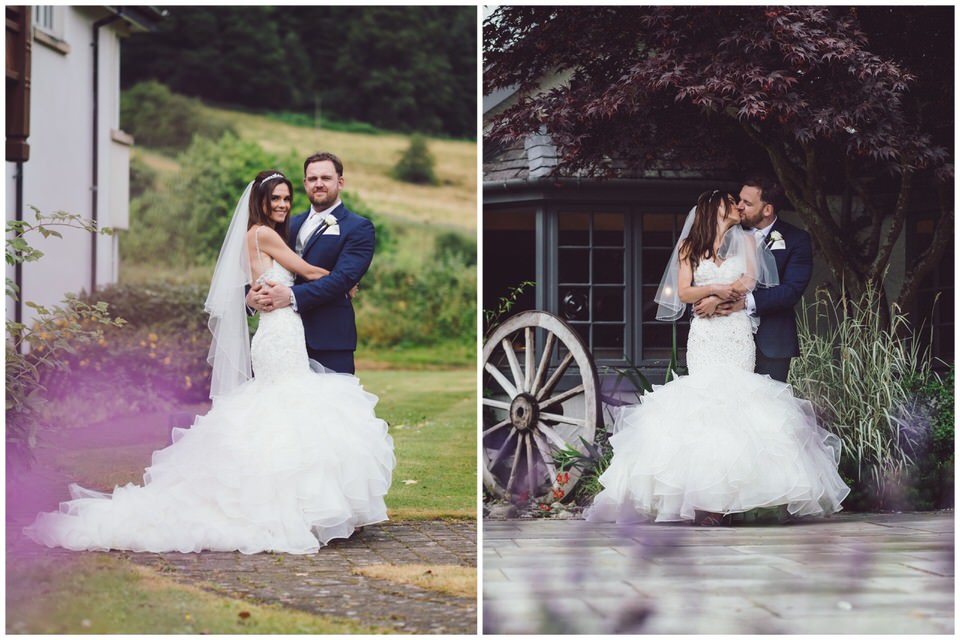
849 574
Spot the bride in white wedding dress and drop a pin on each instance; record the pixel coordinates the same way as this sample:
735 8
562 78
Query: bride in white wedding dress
284 462
723 439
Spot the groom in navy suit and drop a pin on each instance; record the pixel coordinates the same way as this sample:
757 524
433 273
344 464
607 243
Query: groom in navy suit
332 237
776 338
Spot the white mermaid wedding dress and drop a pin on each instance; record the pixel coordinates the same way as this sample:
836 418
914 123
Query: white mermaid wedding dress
286 462
721 439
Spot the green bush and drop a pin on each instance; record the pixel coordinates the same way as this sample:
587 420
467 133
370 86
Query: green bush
450 244
405 306
143 178
416 164
167 121
34 352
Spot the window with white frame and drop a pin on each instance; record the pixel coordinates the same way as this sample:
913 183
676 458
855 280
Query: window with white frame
45 19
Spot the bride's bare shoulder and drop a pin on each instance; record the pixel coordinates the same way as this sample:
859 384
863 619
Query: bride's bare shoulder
262 232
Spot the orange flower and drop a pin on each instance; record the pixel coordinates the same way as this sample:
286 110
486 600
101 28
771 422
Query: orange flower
558 493
544 506
563 477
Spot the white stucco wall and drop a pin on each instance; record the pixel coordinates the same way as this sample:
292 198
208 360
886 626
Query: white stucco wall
59 176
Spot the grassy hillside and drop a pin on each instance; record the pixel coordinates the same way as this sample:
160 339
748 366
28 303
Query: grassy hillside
368 159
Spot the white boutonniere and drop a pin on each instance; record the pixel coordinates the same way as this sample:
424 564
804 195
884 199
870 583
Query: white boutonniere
331 226
776 241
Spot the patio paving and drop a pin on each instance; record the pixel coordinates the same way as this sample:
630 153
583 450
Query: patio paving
848 574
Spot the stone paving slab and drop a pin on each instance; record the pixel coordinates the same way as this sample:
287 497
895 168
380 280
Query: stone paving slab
849 574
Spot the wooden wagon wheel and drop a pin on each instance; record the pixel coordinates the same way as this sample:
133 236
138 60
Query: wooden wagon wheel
527 416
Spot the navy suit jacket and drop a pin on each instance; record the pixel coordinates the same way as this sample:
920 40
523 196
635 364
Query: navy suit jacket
324 304
777 335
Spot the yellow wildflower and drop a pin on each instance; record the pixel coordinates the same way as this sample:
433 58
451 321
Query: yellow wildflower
102 341
187 382
152 337
152 355
143 343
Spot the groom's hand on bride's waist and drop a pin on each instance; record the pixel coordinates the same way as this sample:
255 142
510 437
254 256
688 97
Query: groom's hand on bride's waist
269 295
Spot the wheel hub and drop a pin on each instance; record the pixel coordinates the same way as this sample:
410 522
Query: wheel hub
524 412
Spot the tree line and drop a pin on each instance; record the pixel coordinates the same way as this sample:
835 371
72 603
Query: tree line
400 68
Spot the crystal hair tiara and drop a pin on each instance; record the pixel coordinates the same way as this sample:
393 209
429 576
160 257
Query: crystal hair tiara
275 175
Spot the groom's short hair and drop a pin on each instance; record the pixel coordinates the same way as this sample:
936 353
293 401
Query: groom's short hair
770 190
320 156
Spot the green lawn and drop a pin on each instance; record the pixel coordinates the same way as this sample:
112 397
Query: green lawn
99 593
433 420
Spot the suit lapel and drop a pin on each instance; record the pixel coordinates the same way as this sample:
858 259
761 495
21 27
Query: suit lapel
340 213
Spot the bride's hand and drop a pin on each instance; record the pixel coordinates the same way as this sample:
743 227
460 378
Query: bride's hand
727 291
706 307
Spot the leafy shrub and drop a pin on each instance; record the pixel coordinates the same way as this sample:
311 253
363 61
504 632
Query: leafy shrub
164 120
861 375
34 352
143 178
456 245
405 306
416 164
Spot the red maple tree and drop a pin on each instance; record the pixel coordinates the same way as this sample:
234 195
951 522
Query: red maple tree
853 133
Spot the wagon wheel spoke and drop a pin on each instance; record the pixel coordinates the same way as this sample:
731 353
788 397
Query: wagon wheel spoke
531 476
566 395
552 436
556 417
516 465
530 354
551 383
503 449
514 364
496 404
501 379
499 425
544 450
544 363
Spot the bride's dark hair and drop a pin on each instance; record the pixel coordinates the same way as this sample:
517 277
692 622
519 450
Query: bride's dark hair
263 186
698 245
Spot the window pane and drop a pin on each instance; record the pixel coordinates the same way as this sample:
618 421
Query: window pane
574 265
575 303
653 263
658 230
608 266
658 340
608 303
608 230
583 330
608 336
648 303
509 248
574 229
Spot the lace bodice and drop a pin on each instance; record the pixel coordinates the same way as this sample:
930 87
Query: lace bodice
720 340
278 346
